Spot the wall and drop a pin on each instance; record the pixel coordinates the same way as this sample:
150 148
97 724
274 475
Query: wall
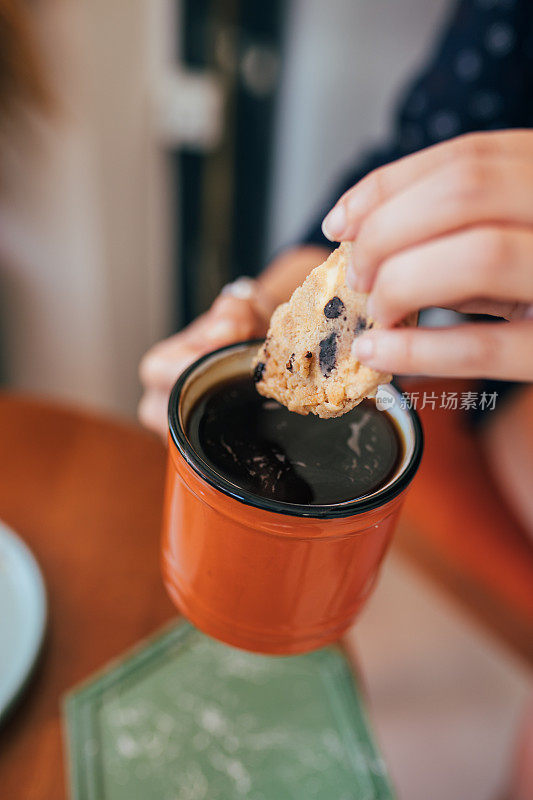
85 209
345 61
84 268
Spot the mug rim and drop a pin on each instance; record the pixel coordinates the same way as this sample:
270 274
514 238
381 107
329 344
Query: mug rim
348 509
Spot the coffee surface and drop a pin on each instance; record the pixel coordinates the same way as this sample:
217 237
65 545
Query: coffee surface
276 454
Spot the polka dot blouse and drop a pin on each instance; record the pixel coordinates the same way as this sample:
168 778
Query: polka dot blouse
479 77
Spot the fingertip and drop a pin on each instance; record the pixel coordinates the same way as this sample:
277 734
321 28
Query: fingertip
159 372
141 410
149 408
379 349
152 413
150 367
358 277
334 223
377 313
356 280
221 329
359 202
364 348
352 278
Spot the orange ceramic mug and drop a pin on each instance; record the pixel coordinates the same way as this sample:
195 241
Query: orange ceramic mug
261 574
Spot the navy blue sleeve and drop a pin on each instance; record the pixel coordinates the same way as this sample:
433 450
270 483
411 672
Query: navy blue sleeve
479 78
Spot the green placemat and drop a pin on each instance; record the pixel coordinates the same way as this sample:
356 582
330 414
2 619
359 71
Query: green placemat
187 718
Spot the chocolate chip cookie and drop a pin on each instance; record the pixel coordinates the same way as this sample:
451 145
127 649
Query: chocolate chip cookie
306 361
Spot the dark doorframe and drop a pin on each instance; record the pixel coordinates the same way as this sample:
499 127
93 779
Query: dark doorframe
223 195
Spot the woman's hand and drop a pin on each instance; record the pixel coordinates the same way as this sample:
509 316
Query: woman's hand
450 226
242 311
236 315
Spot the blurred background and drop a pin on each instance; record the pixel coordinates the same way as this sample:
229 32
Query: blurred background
183 142
186 141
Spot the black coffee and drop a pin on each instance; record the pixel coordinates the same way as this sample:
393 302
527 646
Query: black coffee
274 453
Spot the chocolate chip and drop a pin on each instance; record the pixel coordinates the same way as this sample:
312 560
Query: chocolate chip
328 354
258 372
361 325
333 308
290 363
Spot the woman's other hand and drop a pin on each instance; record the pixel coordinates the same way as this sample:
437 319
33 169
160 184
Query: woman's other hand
242 311
236 315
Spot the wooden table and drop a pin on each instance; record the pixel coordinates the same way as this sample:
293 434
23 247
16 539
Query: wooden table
458 530
85 493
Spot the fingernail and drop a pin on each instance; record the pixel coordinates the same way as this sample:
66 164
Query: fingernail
221 329
528 313
358 203
335 223
371 307
363 348
352 279
359 283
